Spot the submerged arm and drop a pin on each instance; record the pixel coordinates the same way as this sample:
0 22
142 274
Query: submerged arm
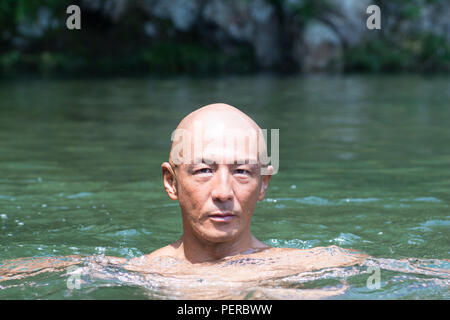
25 267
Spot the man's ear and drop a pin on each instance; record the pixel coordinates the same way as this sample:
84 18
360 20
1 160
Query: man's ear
169 180
265 183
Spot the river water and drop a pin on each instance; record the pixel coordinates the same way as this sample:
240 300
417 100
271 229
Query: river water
364 163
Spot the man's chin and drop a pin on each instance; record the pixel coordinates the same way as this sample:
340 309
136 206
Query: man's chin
220 236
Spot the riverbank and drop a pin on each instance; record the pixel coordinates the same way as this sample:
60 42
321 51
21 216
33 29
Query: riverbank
220 37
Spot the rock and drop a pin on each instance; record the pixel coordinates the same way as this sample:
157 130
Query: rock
261 11
254 22
266 34
435 19
36 29
150 29
182 13
348 19
115 9
319 49
230 16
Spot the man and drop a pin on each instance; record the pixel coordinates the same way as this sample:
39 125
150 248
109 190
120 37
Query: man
216 193
217 175
217 171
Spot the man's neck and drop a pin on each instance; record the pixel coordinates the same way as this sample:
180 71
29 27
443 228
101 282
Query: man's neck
197 251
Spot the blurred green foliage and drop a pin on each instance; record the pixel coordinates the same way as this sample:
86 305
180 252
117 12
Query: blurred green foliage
66 52
408 9
416 52
422 53
109 48
13 12
161 58
304 10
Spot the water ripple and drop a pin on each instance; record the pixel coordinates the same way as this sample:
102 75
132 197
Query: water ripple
293 243
79 195
345 239
389 203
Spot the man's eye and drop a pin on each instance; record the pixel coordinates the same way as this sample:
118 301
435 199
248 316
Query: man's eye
242 171
203 170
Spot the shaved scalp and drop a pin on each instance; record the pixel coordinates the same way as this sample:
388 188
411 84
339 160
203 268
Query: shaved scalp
209 124
216 111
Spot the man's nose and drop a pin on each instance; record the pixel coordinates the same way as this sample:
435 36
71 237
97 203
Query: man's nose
222 190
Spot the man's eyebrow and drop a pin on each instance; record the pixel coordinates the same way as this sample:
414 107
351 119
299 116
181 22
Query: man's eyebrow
207 161
251 161
203 161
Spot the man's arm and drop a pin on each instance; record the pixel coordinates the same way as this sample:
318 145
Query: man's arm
25 267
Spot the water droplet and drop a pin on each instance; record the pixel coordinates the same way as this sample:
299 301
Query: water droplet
44 206
100 250
3 216
293 186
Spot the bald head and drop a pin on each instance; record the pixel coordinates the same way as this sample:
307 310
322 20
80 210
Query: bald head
216 174
217 133
219 113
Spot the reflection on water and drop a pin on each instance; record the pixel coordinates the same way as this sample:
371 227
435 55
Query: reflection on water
363 164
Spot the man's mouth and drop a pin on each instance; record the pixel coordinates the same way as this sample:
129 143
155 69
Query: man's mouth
221 216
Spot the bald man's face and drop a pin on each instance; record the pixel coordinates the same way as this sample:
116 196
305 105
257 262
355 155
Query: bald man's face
218 188
218 200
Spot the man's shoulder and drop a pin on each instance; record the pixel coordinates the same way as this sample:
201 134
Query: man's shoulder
167 251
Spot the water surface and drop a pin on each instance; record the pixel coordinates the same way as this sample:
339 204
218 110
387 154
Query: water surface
364 164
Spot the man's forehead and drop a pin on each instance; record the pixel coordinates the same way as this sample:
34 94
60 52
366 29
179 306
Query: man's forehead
225 157
219 145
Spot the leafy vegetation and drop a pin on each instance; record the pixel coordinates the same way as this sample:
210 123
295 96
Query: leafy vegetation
122 47
423 53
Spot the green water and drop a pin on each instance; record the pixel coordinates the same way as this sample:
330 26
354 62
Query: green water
364 164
